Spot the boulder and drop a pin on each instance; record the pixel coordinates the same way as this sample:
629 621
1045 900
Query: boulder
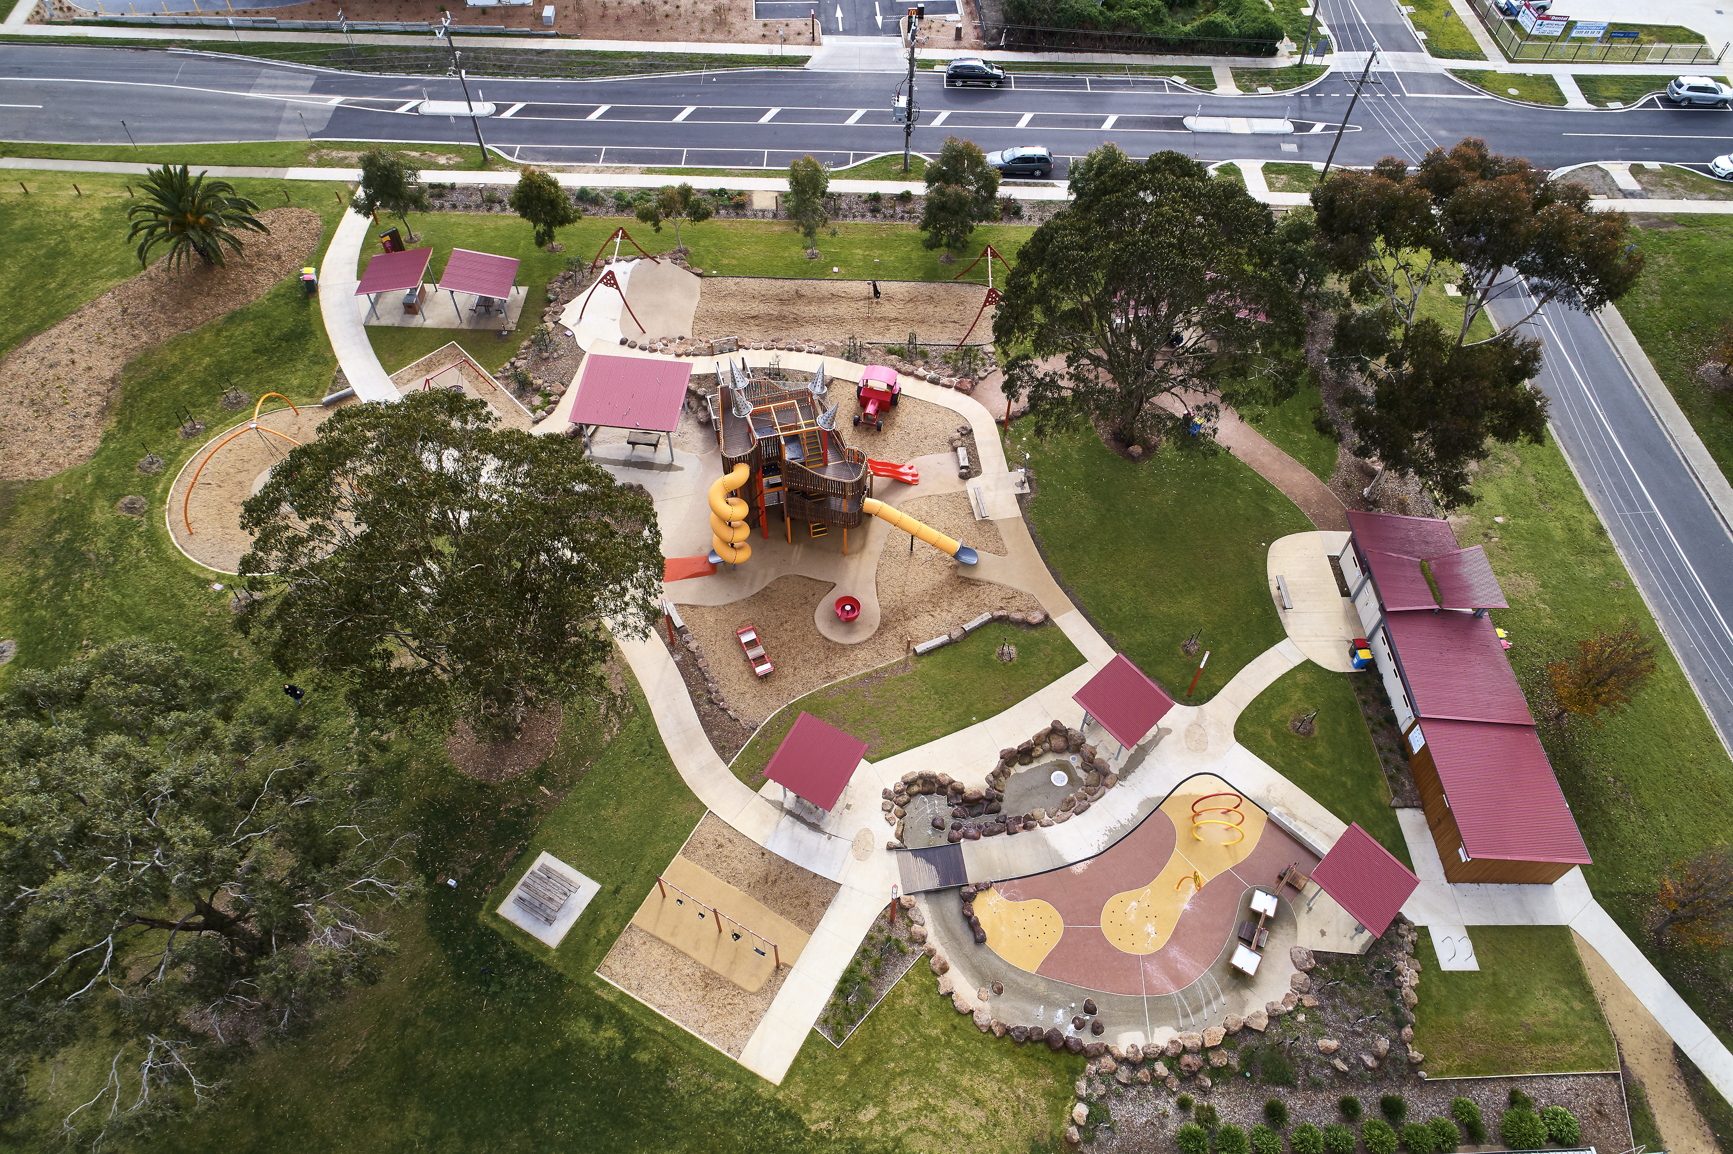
1172 1082
1117 1054
962 1003
999 1028
1407 1033
1082 807
1233 1023
1106 1066
1213 1036
1409 998
947 986
1125 1077
980 936
1190 1064
1095 1049
983 1021
1275 1009
1302 958
998 987
1368 1061
1097 1027
916 917
1144 1077
1072 1137
954 836
1079 1113
1217 1059
1258 1020
1054 1039
1328 1045
1175 1047
1074 1044
1157 1069
1341 1066
940 964
1381 1047
1077 1022
982 994
1204 1082
1300 983
1415 1056
1019 1033
1193 1042
1310 1001
1290 1000
1089 1006
1134 1053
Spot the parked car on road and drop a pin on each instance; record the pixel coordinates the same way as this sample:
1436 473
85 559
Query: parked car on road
1031 161
973 70
1699 90
1721 168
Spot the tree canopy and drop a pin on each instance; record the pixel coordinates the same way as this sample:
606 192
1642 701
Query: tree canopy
436 565
674 204
962 189
390 184
1436 390
539 199
193 215
808 181
1155 283
1607 671
181 872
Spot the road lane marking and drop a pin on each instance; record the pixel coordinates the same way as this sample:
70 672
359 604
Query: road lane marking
598 112
408 104
878 17
1644 136
1108 123
511 110
939 119
39 106
765 119
685 112
1027 117
858 113
839 17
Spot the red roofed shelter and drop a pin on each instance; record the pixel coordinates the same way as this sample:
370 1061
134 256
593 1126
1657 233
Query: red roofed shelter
1125 701
635 393
486 277
391 272
815 760
1365 879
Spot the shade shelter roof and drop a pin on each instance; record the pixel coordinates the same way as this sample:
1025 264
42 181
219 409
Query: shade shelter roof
395 272
1125 701
815 760
631 393
479 274
1502 792
1365 879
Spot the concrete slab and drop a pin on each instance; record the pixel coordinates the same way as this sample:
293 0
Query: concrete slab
550 935
1322 622
439 311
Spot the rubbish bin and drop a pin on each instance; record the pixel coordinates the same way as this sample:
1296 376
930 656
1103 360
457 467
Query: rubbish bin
310 280
548 15
412 302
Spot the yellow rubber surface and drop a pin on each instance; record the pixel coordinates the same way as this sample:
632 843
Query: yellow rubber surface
1022 933
689 925
1140 921
1210 853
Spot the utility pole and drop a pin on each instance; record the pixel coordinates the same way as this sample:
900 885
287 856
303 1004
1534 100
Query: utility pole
910 112
1311 27
444 32
1349 115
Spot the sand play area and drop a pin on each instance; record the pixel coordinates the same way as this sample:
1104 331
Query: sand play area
818 310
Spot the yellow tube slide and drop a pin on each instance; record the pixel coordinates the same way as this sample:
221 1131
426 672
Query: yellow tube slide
921 530
728 526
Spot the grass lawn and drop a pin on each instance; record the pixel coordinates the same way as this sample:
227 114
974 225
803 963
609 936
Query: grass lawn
262 154
1194 75
1289 177
1670 181
1529 1009
1447 36
1289 427
1515 86
1158 549
1337 765
904 705
1627 90
887 167
1676 310
1277 79
1230 172
1652 786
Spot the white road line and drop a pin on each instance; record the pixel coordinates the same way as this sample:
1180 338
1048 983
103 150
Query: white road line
1027 117
878 17
336 100
1108 123
39 106
1318 127
685 112
939 119
512 109
858 113
1644 136
408 104
765 119
598 112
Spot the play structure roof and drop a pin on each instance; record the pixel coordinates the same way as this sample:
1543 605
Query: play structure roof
395 272
1455 668
1124 701
1502 792
1466 581
631 393
1365 879
815 760
479 273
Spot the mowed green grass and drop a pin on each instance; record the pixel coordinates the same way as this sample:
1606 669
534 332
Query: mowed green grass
1540 89
913 702
1289 427
1337 765
1654 784
250 154
1627 90
1158 549
1529 1009
1677 309
1446 35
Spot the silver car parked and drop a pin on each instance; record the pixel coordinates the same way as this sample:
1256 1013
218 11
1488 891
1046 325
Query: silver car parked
1699 90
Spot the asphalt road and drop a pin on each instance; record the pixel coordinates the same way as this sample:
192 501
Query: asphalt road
739 118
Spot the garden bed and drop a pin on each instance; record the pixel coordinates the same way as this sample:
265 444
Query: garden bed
885 955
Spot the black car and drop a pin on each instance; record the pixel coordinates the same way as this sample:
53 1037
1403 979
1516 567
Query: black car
971 70
1031 161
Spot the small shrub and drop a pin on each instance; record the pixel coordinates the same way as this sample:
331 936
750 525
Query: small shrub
1206 1115
1519 1100
1338 1139
1445 1135
1276 1113
1010 208
1476 1133
1232 1140
1276 1070
905 196
1183 1101
1266 1141
1192 1139
1307 1139
1379 1136
1350 1107
1521 1129
1417 1139
1394 1108
1561 1126
1466 1112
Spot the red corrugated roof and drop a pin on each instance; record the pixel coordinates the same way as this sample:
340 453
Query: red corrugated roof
815 760
1455 668
479 273
1365 879
631 393
1502 792
1401 581
1466 581
1409 536
1124 701
394 272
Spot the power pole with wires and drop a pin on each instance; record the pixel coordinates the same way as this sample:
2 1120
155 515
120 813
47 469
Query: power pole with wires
908 111
443 32
1349 115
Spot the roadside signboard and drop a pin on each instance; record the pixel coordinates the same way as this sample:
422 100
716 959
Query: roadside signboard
1593 29
1622 34
1537 23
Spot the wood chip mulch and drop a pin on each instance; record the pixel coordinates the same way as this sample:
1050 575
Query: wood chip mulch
498 761
61 382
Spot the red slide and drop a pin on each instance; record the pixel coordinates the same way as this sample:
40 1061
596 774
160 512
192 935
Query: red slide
907 474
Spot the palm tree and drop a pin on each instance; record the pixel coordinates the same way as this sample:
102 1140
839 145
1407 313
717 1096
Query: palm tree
190 213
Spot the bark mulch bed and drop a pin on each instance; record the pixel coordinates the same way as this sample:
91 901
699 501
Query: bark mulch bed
61 382
496 761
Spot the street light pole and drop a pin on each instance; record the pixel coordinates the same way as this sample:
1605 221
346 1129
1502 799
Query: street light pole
1349 115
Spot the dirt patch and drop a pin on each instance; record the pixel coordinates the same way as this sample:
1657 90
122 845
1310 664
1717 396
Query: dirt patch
338 156
496 761
1596 179
476 383
785 889
61 382
687 992
1670 182
761 308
